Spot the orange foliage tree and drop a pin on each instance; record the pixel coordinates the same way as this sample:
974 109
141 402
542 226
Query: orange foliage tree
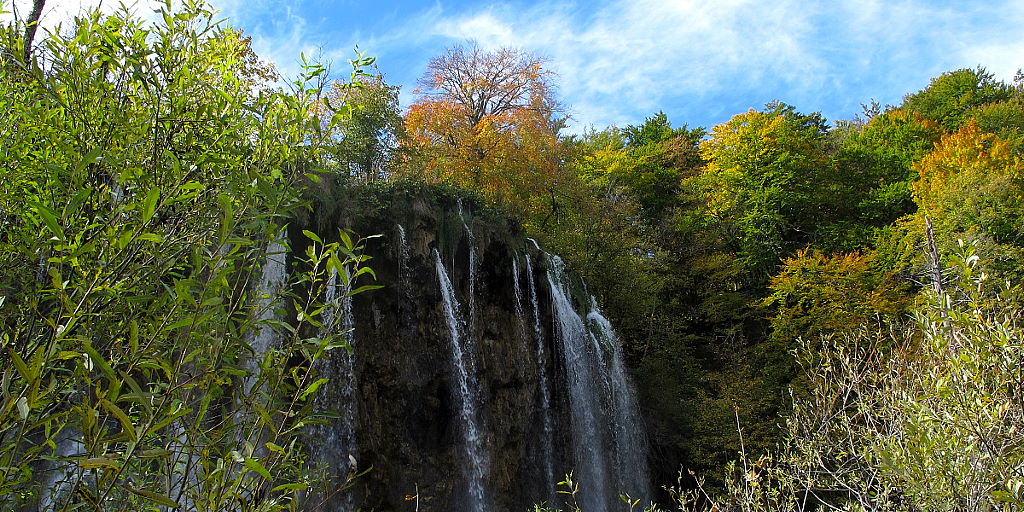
972 187
488 121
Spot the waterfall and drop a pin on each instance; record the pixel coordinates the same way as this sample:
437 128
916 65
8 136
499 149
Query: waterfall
471 241
273 276
585 404
335 445
475 468
548 440
403 261
61 477
608 444
630 443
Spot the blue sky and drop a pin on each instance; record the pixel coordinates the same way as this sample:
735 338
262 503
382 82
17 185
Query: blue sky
618 61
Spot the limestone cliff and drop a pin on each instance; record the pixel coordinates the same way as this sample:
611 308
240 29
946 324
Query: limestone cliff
482 372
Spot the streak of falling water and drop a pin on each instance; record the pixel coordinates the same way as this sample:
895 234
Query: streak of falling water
336 444
548 441
583 377
475 466
60 477
472 266
273 276
608 438
403 262
630 443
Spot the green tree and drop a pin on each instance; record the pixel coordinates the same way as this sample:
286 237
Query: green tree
368 140
872 172
761 187
949 97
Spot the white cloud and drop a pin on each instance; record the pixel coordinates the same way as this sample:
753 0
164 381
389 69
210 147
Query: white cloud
631 56
619 60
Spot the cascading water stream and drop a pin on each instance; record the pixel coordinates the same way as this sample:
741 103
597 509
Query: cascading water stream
471 240
585 404
273 276
548 440
61 476
475 466
403 261
630 443
608 441
336 440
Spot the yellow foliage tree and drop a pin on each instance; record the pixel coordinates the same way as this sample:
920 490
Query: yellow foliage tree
487 121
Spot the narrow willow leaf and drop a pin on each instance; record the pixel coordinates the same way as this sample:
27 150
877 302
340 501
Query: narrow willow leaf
312 388
19 364
89 158
149 205
291 487
98 462
255 465
157 498
49 218
312 236
126 423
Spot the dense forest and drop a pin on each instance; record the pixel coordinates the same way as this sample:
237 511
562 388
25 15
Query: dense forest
817 315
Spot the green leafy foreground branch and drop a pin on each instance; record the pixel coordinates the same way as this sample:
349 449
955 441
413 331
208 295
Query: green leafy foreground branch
146 169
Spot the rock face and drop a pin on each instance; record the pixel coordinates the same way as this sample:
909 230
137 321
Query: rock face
482 372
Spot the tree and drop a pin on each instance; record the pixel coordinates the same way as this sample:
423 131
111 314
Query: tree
950 96
871 169
367 142
815 295
762 186
488 121
972 187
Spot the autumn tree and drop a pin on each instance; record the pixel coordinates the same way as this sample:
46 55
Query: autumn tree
489 121
762 188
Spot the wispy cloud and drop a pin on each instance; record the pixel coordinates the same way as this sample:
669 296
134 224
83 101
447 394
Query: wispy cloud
625 57
620 60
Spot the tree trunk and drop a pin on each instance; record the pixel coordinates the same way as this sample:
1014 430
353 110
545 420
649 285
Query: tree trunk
31 24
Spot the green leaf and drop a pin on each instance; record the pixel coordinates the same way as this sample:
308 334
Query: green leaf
312 236
157 498
227 216
149 205
126 423
98 360
312 388
49 218
19 364
255 465
90 157
298 486
366 288
98 462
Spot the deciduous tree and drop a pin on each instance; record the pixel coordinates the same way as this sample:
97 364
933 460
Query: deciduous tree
488 120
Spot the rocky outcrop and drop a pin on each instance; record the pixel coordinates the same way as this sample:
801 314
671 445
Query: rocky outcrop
417 411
